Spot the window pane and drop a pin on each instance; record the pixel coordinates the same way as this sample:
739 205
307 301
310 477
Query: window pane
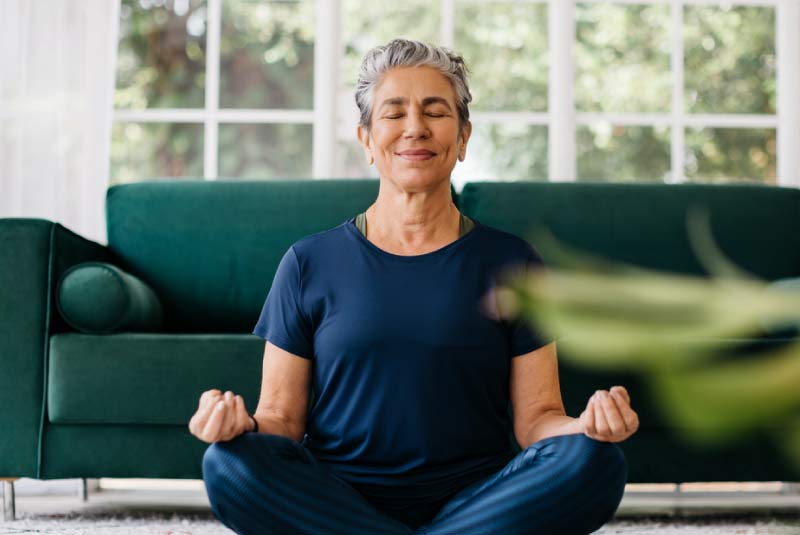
142 151
352 163
623 153
162 54
729 59
265 150
267 54
622 56
730 154
368 24
504 152
504 44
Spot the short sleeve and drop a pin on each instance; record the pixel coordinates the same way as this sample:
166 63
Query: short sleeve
523 336
283 320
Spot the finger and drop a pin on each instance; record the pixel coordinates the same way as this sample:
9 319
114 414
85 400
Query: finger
211 431
229 424
209 395
601 424
199 419
614 418
587 421
630 417
628 414
620 390
591 422
242 416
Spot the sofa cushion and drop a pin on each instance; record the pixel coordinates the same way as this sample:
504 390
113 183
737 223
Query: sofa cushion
143 378
645 224
99 298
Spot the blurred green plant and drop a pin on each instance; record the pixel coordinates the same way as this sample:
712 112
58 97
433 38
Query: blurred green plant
675 330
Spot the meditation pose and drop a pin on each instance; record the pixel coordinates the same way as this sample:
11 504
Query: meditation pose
389 318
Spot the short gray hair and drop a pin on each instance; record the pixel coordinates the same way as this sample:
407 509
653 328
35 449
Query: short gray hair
409 53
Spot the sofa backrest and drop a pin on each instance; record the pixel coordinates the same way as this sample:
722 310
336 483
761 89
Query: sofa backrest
645 224
210 248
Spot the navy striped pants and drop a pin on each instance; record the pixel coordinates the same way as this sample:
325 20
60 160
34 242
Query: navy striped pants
262 484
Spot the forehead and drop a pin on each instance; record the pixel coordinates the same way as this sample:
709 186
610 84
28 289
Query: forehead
413 83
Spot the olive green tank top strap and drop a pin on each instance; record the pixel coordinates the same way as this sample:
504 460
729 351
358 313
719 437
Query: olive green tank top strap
464 225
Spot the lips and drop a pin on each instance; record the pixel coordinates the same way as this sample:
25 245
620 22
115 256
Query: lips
416 154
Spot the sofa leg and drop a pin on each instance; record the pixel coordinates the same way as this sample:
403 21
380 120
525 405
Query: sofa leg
83 490
9 510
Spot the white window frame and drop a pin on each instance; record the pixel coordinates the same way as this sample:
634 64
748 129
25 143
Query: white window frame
562 119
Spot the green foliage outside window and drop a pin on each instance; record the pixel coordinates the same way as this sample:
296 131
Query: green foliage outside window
622 57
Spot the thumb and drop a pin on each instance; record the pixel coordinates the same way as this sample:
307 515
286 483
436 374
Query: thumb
584 419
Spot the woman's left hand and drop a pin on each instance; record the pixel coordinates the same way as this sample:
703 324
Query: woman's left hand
608 416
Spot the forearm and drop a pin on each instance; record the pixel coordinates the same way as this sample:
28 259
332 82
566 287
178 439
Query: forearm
273 425
549 424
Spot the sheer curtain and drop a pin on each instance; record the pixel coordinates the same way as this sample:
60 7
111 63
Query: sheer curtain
57 63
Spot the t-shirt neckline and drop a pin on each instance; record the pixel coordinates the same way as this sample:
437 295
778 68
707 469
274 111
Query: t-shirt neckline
350 224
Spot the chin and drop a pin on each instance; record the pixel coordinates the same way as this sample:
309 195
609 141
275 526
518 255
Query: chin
422 180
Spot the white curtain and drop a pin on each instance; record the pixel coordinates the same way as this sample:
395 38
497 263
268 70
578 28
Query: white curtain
57 64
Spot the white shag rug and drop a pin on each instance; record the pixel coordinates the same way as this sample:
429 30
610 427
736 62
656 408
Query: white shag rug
205 524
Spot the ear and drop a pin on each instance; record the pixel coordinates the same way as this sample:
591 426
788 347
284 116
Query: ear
463 139
364 139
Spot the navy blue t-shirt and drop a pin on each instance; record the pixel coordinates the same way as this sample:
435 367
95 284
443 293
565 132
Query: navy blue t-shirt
410 360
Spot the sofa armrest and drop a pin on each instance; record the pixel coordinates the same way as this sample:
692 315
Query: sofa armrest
35 252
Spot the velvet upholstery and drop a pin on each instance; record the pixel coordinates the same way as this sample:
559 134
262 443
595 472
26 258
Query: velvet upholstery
117 405
100 298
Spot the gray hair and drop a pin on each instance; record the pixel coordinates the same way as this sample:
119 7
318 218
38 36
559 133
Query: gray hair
409 53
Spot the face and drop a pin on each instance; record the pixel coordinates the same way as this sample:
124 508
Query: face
414 138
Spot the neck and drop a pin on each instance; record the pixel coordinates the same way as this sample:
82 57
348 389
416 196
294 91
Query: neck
413 221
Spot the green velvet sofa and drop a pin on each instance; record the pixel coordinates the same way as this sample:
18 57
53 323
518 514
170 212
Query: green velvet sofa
79 405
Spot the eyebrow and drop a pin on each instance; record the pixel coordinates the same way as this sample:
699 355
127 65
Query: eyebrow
427 101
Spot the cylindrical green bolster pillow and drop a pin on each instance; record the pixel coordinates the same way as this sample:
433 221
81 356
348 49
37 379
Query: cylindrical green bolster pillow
99 298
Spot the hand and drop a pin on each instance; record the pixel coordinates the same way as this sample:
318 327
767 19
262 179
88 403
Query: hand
608 416
220 417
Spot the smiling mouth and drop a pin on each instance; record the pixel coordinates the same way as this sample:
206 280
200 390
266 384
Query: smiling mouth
416 155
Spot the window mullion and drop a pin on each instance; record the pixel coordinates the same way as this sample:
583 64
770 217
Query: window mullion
787 37
677 133
561 91
211 130
327 55
447 29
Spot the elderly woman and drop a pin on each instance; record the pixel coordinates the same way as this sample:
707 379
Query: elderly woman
386 316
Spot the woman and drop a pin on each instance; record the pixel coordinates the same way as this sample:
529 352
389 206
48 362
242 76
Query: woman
386 315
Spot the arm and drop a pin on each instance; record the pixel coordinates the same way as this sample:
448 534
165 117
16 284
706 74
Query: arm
283 404
281 409
539 411
536 398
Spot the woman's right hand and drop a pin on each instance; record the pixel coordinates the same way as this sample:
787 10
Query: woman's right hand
220 417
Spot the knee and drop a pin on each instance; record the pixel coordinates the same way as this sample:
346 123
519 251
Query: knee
605 462
224 462
235 461
216 468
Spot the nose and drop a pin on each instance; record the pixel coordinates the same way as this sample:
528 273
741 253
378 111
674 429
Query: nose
416 127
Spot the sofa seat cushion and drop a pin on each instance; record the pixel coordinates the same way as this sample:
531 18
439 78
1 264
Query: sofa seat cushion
147 379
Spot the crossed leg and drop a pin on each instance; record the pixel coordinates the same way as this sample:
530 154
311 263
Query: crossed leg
567 484
262 484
